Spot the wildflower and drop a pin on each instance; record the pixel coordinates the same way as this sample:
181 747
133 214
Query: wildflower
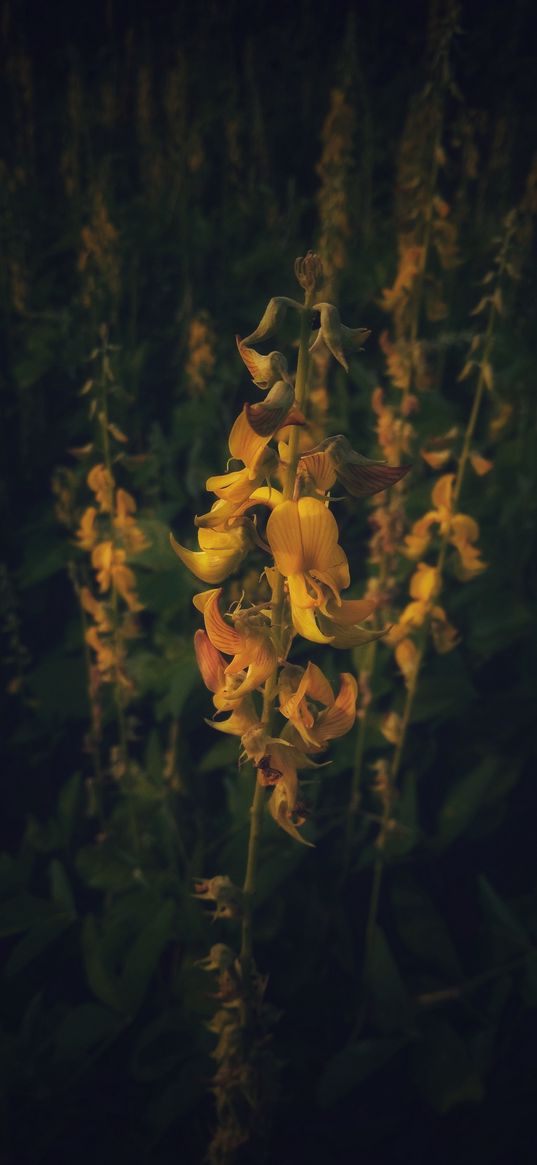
249 643
334 459
271 414
251 448
131 535
109 563
101 482
86 534
340 340
461 530
264 370
221 551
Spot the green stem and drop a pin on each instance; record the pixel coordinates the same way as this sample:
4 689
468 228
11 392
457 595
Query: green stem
118 691
277 623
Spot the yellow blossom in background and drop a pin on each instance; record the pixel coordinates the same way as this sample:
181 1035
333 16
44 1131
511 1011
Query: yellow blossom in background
132 537
101 482
86 534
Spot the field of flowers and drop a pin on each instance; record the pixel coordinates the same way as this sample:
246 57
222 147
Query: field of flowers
268 493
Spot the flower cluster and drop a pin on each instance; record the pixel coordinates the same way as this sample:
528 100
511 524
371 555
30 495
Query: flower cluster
243 652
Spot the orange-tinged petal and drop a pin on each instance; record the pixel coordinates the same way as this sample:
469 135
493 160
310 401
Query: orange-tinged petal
210 662
258 655
269 415
436 458
480 464
425 582
339 719
443 491
465 528
245 444
222 636
264 370
303 535
407 656
319 467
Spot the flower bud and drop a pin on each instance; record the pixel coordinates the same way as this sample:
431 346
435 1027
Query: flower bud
309 271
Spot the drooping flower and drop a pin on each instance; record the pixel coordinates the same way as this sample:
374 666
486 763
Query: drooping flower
271 320
101 482
132 537
259 462
86 534
264 370
276 411
316 727
340 340
249 642
334 459
221 551
461 530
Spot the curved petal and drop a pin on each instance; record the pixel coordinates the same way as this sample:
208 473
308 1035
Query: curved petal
305 624
211 566
222 636
339 719
264 370
210 662
319 467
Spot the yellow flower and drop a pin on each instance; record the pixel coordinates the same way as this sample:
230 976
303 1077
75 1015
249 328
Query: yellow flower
251 448
132 537
303 537
109 563
249 643
100 480
221 552
86 534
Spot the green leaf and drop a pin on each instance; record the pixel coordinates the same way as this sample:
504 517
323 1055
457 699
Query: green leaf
447 690
85 1027
442 1067
23 912
423 930
468 795
222 755
100 979
60 887
103 868
392 1007
160 1047
35 941
69 806
145 954
354 1064
501 918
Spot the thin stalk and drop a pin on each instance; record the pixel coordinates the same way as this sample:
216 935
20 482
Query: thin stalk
277 621
118 691
414 679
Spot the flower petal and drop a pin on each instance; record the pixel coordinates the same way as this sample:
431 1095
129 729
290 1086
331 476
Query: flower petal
264 370
222 636
339 719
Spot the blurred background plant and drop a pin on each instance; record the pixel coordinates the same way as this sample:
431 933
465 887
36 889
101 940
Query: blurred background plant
157 181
